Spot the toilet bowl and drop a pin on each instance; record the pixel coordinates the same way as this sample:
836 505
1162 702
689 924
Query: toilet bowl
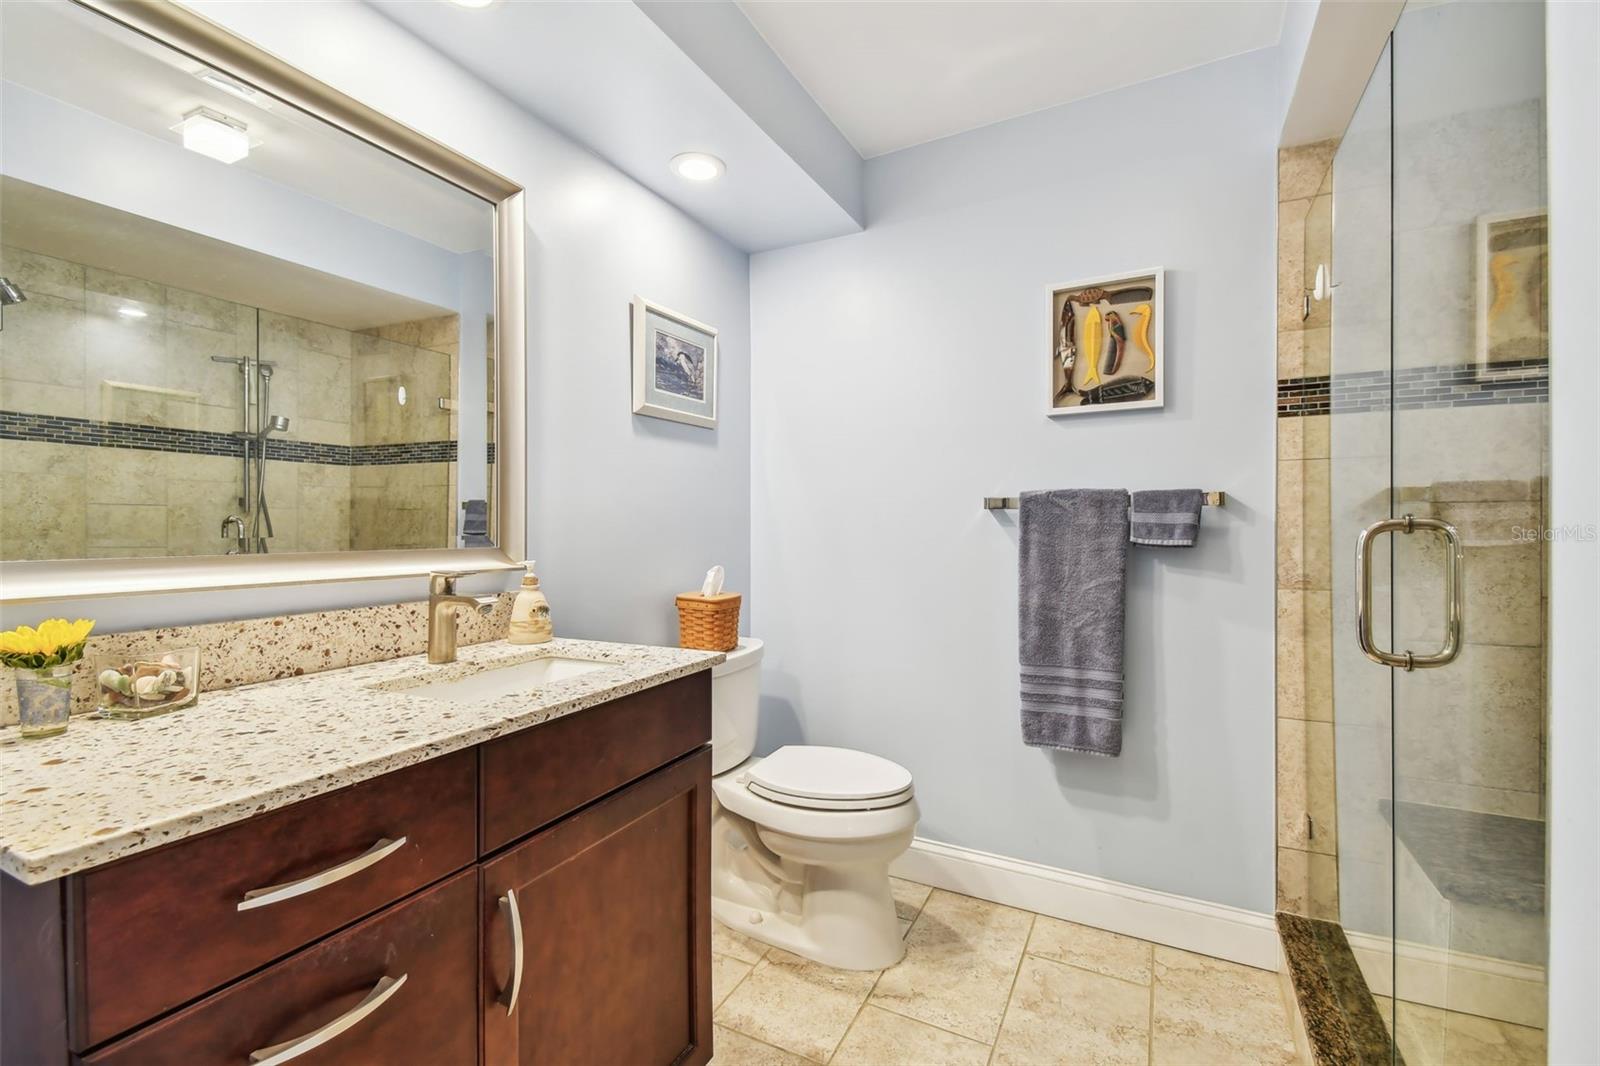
802 839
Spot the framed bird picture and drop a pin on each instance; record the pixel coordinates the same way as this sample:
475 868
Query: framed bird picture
1105 344
674 366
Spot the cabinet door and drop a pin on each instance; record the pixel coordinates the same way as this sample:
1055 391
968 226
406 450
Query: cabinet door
613 917
399 987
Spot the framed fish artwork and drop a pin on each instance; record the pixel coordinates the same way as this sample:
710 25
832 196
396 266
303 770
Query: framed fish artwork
1513 303
674 366
1106 351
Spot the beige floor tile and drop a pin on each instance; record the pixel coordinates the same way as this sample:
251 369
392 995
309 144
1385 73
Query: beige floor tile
1060 1014
961 956
1210 1011
726 973
734 944
1089 948
880 1038
908 898
796 1004
736 1049
1429 1036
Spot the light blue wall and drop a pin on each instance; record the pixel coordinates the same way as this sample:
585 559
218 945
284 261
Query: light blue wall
900 377
623 511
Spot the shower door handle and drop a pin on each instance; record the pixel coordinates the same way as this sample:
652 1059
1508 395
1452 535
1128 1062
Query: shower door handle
1409 660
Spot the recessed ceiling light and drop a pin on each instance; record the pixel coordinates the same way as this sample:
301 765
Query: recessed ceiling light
211 133
233 87
133 312
697 166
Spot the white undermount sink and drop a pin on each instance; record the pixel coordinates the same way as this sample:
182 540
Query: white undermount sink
497 681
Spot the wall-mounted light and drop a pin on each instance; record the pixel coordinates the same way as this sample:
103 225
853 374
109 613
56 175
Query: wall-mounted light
474 4
213 134
400 395
697 166
133 312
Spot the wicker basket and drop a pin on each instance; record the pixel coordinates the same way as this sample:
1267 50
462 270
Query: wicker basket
709 623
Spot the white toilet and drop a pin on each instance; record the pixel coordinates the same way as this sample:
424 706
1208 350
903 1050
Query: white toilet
801 840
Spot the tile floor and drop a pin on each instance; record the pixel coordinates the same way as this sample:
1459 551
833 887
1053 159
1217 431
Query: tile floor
986 984
1430 1036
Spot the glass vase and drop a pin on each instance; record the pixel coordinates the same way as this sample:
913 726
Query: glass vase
44 700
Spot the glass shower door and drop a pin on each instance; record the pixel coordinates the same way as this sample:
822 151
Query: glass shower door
1469 435
1438 448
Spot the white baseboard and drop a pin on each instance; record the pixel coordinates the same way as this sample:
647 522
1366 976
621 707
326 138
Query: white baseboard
1455 980
1214 929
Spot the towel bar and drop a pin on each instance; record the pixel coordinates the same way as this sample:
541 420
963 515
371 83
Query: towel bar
1214 498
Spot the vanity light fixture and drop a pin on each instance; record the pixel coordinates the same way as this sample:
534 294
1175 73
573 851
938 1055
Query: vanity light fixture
213 134
133 312
234 88
698 166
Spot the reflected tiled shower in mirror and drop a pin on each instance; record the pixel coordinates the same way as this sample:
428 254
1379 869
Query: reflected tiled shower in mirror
100 367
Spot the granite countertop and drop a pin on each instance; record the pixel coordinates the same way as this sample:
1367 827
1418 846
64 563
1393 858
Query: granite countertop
106 789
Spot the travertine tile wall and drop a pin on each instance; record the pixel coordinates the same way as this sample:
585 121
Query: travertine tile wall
1307 822
91 344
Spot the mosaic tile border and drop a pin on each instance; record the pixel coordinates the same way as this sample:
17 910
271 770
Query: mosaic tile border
63 429
1415 388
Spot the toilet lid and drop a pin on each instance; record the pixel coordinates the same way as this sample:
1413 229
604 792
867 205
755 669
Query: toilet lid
830 778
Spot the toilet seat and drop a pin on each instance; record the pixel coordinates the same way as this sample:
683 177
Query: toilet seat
819 778
732 790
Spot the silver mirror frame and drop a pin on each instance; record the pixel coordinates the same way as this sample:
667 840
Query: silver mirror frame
201 39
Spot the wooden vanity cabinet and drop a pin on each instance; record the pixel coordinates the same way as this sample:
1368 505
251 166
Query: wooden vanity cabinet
601 838
597 945
408 976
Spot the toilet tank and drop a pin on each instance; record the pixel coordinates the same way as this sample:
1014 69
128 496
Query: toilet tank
735 706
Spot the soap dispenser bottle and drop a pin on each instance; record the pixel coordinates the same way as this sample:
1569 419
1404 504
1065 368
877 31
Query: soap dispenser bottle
530 614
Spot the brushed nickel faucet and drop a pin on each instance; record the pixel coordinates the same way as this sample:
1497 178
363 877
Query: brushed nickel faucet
443 602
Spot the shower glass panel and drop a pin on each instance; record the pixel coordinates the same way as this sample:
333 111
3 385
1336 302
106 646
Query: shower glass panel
1359 481
1439 383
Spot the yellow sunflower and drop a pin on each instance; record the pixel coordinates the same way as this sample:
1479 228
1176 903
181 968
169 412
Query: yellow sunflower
55 642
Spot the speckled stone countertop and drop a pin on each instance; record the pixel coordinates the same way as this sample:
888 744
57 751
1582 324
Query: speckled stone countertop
106 789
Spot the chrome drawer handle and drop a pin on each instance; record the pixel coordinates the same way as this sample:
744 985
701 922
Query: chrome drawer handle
508 906
1453 563
293 1049
261 897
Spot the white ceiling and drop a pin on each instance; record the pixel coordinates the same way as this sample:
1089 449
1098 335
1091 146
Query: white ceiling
894 73
148 87
610 78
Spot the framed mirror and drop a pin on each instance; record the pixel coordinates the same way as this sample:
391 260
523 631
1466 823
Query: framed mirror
252 332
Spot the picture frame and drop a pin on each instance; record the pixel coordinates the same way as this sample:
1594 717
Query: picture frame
1510 252
674 366
1125 324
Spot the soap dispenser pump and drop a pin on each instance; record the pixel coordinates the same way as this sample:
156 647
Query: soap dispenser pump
530 614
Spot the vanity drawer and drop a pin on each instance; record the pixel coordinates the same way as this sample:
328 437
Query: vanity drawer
405 981
533 777
156 930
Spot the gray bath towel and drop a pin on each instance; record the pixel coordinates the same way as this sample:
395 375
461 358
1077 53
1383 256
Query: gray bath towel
1072 568
1167 518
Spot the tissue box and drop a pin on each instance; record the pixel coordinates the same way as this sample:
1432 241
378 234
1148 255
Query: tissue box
708 623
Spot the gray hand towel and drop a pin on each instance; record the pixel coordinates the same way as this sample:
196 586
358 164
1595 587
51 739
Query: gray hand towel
475 524
1071 569
1167 518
